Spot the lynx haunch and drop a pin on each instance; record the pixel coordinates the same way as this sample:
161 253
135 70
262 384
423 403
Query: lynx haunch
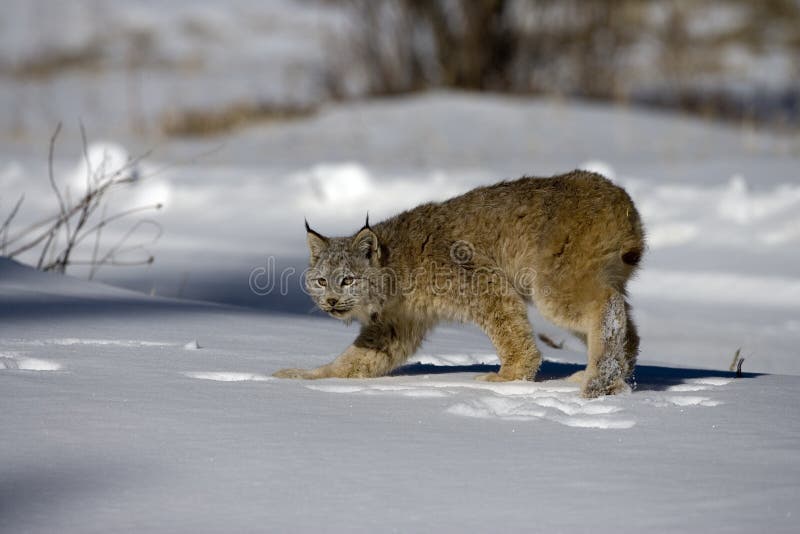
567 244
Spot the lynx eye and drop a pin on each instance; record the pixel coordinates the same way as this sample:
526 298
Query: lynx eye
322 282
347 280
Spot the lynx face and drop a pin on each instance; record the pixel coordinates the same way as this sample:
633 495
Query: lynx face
341 274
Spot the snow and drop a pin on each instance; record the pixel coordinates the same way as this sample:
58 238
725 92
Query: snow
111 425
13 361
228 377
192 345
127 412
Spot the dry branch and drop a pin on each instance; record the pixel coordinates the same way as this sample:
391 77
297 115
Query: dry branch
60 234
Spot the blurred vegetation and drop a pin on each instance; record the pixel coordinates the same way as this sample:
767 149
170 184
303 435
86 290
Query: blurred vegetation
206 122
730 59
691 54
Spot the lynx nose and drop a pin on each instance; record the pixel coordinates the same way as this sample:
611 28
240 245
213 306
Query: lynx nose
331 301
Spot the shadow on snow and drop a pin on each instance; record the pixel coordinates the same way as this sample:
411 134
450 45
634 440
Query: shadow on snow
646 377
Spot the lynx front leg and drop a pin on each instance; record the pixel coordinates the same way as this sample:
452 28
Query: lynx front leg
354 362
378 349
612 349
505 321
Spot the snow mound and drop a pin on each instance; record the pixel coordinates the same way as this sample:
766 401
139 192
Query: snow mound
14 362
228 376
730 214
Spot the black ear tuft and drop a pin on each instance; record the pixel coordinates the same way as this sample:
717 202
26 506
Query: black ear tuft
366 224
311 231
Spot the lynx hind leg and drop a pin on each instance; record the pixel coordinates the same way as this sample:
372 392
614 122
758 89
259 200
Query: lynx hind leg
609 349
631 344
631 350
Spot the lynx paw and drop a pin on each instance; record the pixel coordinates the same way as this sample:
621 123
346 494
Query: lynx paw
494 377
577 377
292 373
595 387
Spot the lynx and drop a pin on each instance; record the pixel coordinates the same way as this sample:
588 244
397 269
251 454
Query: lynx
568 244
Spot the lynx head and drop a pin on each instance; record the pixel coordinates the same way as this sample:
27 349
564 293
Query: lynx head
342 275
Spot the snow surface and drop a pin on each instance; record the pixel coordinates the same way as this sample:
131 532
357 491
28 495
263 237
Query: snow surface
111 425
125 412
721 206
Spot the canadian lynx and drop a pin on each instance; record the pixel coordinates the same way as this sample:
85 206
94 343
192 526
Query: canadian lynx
568 244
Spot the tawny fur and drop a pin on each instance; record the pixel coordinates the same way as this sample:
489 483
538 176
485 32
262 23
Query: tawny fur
568 244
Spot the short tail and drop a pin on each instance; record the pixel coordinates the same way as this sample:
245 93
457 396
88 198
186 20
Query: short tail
632 257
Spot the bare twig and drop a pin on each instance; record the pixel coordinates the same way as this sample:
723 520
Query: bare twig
109 257
112 180
106 220
7 222
547 340
46 247
85 147
735 361
54 222
76 218
27 231
88 204
96 247
50 174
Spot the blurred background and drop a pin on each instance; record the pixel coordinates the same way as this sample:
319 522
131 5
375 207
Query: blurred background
223 124
188 68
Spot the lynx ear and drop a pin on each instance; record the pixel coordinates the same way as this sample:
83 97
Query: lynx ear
366 242
316 243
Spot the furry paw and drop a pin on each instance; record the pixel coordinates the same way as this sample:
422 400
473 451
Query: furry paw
292 373
493 377
595 387
577 377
